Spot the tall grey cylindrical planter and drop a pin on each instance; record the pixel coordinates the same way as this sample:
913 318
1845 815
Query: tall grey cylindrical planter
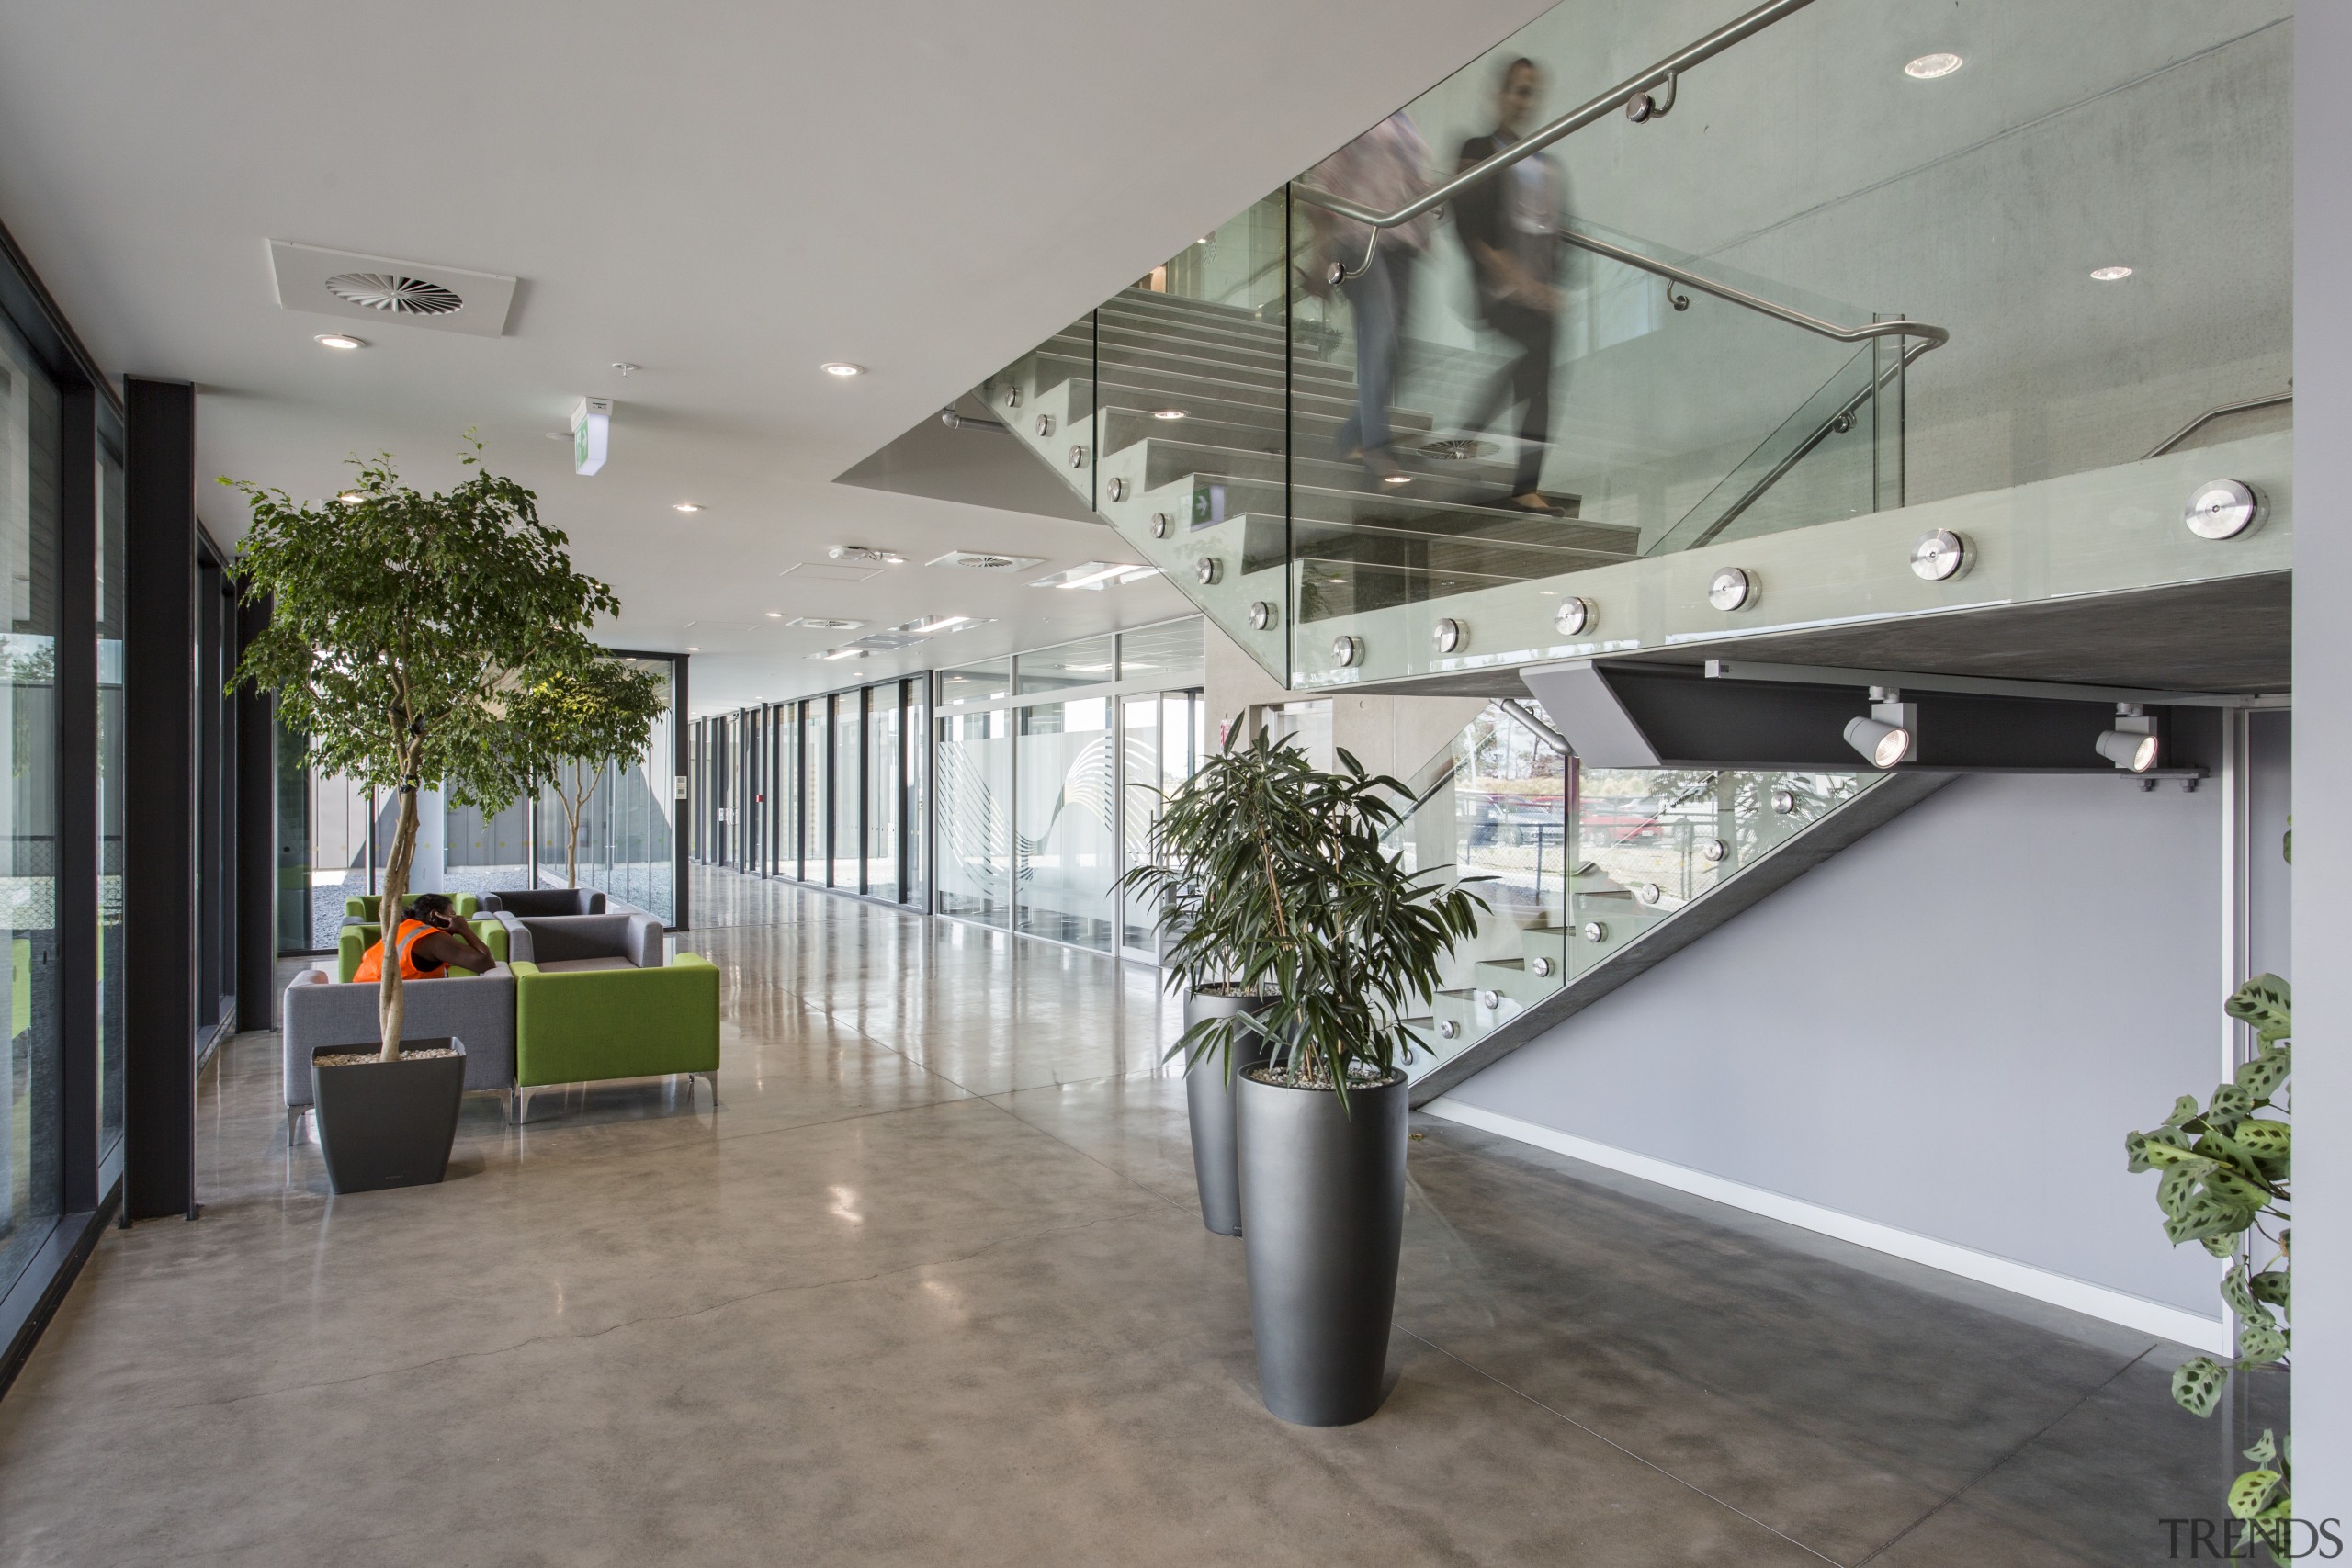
1208 1098
1322 1218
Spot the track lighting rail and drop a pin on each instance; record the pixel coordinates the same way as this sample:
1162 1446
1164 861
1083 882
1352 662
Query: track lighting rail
1980 686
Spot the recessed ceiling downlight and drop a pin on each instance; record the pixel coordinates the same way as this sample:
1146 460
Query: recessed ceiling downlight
1928 67
339 339
842 368
396 294
684 506
2109 274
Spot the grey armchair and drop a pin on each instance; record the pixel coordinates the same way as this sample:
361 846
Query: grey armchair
476 1009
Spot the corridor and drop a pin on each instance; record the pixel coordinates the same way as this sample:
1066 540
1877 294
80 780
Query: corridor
929 1286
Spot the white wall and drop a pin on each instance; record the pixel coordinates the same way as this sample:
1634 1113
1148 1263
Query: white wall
1947 1029
2322 764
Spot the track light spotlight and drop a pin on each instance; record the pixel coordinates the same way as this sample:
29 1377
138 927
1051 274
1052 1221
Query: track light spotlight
1883 744
1891 733
2132 745
2136 753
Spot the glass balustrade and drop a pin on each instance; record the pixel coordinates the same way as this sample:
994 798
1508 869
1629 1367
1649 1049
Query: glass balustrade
1167 412
1323 436
1576 864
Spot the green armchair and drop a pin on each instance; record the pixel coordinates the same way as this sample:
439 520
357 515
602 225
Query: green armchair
581 1025
354 941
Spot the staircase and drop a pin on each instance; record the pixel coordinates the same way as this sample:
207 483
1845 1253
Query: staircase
1198 433
1593 875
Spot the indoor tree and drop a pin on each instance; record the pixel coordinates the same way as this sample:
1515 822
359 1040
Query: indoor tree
575 722
402 625
1276 878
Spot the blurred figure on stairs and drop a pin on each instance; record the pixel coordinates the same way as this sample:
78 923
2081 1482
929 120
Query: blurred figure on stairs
1383 169
1510 226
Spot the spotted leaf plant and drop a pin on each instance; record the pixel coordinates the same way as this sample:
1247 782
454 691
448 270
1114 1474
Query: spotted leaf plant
2222 1173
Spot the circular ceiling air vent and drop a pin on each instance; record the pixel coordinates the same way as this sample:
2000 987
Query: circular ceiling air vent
1459 449
395 294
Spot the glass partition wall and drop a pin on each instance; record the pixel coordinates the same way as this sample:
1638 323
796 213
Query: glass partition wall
1050 769
335 834
1029 783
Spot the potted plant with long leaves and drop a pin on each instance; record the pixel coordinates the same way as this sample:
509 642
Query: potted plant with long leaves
1202 876
1314 908
2224 1168
400 626
575 723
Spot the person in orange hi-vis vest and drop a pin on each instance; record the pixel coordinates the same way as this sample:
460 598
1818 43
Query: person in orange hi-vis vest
430 941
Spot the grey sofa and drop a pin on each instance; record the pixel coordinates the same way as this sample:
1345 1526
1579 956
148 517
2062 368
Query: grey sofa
610 940
476 1009
546 901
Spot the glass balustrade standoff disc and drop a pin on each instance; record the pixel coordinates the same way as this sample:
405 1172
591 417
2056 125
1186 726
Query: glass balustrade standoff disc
2222 509
1940 555
1731 589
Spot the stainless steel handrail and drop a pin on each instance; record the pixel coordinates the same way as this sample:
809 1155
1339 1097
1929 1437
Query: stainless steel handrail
1542 731
1707 47
1934 336
1575 119
1840 421
2194 426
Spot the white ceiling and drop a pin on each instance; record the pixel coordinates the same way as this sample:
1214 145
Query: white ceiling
724 194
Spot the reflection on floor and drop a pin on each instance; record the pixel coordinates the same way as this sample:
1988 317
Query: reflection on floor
929 1287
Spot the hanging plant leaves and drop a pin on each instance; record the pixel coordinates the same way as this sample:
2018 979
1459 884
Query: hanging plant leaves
2267 1002
2205 1214
2174 1192
2235 1188
2250 1494
2260 1340
2237 1293
2261 1076
2197 1385
2235 1173
2228 1105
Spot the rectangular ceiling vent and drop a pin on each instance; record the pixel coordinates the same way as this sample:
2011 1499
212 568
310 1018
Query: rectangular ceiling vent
986 560
381 289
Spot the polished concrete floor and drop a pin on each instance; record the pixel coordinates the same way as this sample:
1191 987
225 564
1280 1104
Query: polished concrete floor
929 1287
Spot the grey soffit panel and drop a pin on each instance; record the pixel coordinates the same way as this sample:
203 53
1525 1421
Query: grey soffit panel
1584 705
977 468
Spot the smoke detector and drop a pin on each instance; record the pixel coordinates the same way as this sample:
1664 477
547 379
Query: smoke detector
383 289
984 560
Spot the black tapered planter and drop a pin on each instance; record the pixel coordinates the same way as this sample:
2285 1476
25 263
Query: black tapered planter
1322 1218
1208 1098
387 1123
